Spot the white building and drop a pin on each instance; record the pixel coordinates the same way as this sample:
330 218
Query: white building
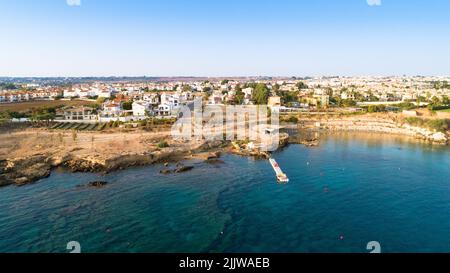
248 95
164 110
112 109
216 99
347 96
141 108
12 97
70 93
170 103
170 99
105 94
151 98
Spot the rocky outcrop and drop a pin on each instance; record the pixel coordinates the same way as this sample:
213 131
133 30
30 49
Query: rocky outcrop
252 153
22 171
106 164
214 155
208 145
378 125
94 184
97 184
180 168
183 169
214 161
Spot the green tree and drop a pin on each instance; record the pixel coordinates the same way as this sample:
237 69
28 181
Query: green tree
261 94
187 88
287 97
8 86
276 89
162 144
435 101
100 100
239 97
43 113
301 85
128 105
347 103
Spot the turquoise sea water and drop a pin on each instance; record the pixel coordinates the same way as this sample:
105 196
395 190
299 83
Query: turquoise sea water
351 190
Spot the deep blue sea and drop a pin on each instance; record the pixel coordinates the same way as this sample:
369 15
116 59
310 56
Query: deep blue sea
352 189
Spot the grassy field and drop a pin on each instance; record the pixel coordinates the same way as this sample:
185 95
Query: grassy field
445 111
26 106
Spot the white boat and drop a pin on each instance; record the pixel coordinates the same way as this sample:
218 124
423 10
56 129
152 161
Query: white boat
281 176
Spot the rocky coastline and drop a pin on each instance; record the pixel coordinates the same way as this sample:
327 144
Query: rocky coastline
375 124
25 170
22 171
31 168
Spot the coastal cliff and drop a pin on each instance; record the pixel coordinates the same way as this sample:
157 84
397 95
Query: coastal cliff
21 171
28 156
378 124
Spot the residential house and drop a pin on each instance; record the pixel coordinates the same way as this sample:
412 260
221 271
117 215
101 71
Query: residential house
170 103
12 97
216 98
152 98
164 110
24 96
274 101
55 93
112 109
141 108
80 114
70 93
172 99
347 96
248 95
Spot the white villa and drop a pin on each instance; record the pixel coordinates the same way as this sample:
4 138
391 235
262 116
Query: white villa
171 99
141 108
216 98
152 98
88 92
112 109
170 103
80 114
164 110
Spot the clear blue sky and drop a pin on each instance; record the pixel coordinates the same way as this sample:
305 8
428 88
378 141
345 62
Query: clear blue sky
224 37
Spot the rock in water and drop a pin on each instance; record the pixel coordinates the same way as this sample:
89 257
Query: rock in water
213 155
97 184
165 171
183 169
214 161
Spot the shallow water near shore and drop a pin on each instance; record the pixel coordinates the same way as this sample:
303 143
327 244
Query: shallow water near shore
352 189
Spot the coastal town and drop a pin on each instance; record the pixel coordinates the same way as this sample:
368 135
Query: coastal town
128 101
100 125
224 135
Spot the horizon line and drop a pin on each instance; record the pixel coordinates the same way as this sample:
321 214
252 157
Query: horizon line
254 76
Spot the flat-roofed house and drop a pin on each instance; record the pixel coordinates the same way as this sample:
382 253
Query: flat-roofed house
80 114
141 108
112 109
